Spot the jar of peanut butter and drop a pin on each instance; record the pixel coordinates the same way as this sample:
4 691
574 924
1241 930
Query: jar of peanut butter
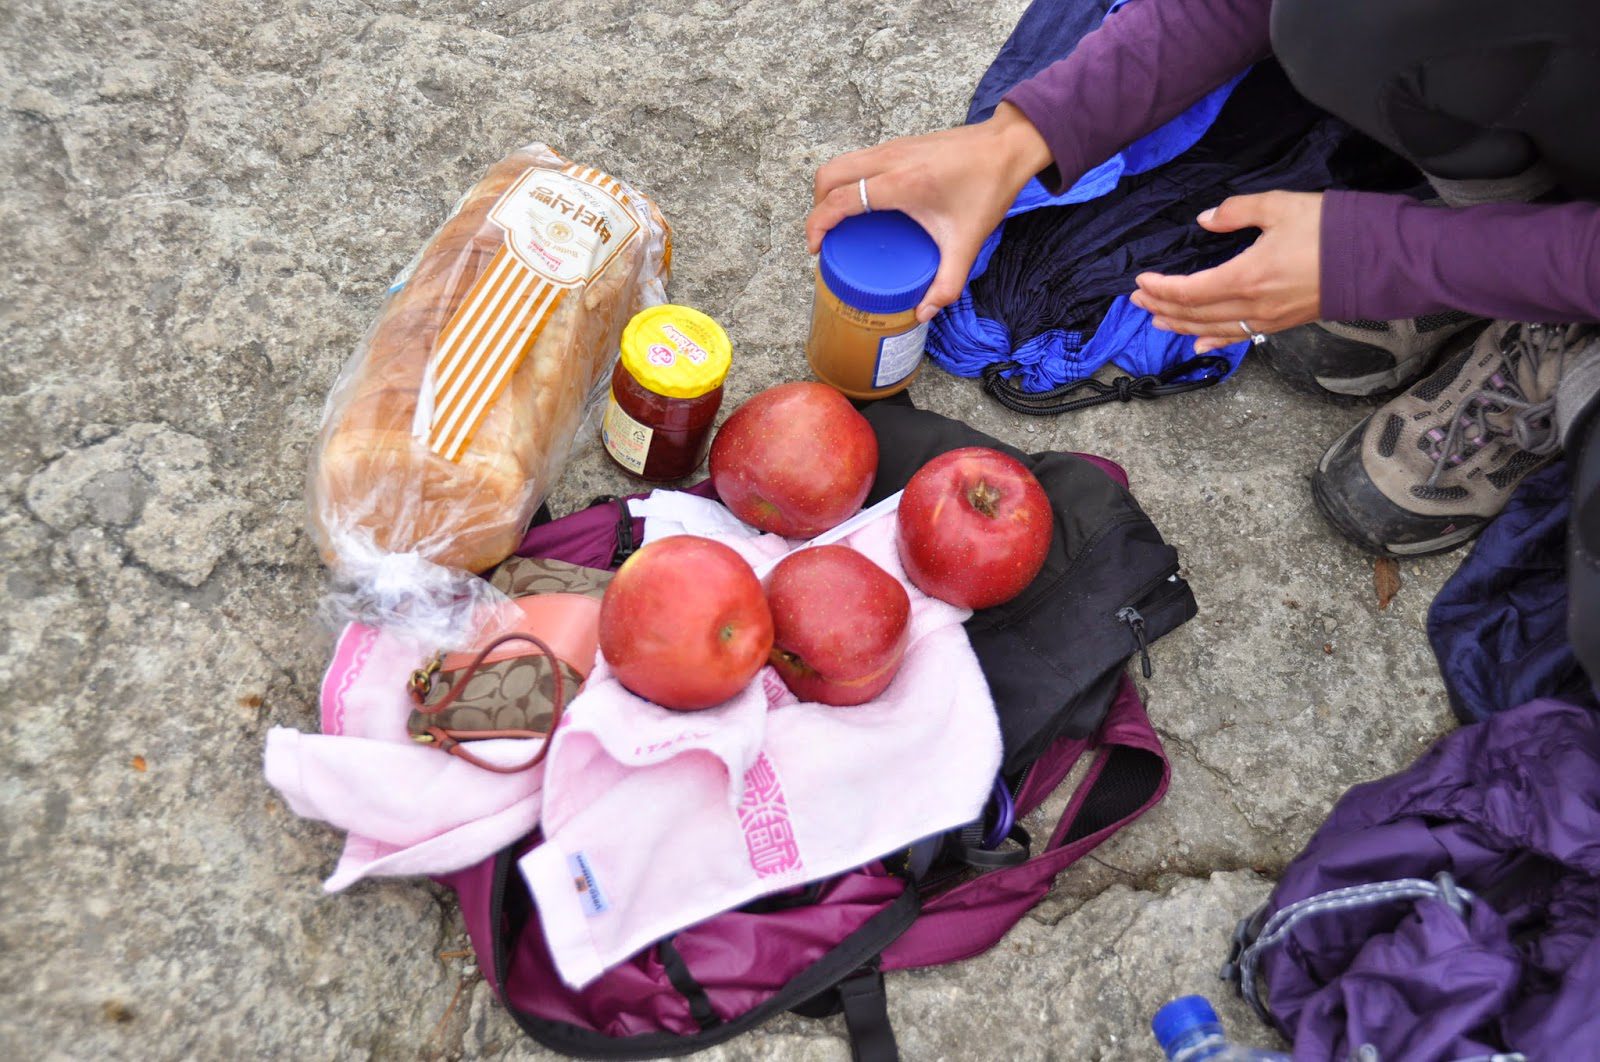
872 273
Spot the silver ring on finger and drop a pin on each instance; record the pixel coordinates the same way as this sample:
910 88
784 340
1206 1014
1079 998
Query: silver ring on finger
1256 338
866 204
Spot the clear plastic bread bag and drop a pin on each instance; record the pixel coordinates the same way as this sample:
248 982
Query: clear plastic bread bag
451 421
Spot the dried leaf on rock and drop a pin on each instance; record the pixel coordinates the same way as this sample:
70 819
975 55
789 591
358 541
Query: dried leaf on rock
1386 580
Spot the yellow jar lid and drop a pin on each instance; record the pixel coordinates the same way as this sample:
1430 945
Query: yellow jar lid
676 351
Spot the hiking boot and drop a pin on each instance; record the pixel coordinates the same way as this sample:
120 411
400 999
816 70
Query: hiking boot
1358 359
1426 472
1363 359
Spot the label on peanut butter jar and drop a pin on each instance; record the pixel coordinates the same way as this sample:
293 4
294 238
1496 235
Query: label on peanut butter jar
625 438
899 356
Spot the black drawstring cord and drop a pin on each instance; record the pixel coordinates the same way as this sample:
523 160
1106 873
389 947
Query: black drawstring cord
1121 389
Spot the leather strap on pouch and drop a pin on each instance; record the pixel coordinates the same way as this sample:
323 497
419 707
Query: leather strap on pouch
451 740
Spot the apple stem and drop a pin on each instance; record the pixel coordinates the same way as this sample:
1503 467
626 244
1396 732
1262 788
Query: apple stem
983 497
791 659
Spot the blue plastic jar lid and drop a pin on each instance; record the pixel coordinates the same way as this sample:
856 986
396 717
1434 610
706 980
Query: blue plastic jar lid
1180 1018
882 262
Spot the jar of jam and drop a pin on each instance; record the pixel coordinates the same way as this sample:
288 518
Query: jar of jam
872 273
665 392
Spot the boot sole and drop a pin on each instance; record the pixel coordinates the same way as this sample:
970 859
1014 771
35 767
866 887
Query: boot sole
1347 392
1344 392
1337 513
1349 531
1385 384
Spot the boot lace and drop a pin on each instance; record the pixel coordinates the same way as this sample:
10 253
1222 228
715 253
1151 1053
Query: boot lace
1531 424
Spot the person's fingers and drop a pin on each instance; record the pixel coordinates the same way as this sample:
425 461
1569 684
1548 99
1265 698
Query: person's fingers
1206 343
844 201
846 169
1226 311
955 262
1233 327
1231 281
1221 336
1241 212
1229 333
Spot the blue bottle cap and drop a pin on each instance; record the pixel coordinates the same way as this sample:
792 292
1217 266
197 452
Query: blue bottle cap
882 262
1180 1018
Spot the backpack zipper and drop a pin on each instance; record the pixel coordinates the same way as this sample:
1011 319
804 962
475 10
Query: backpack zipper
1135 621
990 619
1022 781
1152 595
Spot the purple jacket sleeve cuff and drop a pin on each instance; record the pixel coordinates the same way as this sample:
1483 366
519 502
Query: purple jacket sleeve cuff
1348 220
1385 257
1038 104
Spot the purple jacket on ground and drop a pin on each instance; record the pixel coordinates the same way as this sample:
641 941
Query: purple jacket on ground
1510 809
1383 256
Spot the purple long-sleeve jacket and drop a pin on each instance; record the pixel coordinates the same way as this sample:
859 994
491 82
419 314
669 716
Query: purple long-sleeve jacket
1383 256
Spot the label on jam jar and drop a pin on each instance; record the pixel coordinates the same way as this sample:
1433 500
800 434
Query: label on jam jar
625 438
899 355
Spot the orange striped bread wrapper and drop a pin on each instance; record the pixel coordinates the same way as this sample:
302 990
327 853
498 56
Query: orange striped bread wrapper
547 252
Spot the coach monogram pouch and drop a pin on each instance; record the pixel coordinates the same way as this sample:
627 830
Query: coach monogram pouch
517 682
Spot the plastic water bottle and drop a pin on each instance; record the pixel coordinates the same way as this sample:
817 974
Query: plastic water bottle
1189 1030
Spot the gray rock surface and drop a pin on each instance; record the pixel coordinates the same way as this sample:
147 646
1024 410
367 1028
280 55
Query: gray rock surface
203 205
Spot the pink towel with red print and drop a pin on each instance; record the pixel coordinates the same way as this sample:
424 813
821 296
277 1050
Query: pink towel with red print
655 820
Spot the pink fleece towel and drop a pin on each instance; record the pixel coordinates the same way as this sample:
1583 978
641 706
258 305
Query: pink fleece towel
655 820
407 810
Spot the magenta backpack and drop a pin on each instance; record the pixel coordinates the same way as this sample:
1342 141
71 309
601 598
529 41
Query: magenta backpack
824 949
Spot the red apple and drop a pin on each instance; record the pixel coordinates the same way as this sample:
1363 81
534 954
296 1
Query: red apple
975 527
795 460
839 625
684 623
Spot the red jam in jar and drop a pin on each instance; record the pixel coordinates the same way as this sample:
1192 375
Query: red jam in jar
665 392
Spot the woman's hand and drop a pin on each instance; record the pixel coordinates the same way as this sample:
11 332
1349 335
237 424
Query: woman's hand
957 184
1273 284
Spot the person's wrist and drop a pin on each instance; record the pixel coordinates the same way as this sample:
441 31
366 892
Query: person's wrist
1024 147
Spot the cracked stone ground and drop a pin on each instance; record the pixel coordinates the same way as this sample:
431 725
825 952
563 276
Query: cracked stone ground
203 204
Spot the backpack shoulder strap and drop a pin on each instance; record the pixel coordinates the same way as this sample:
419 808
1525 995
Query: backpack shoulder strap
865 1002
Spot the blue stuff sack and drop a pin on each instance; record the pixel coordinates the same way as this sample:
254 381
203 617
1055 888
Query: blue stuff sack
1046 304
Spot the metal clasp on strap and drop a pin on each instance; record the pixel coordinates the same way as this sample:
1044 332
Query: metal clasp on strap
1244 935
422 678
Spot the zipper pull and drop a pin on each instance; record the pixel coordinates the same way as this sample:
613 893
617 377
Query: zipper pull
1135 622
